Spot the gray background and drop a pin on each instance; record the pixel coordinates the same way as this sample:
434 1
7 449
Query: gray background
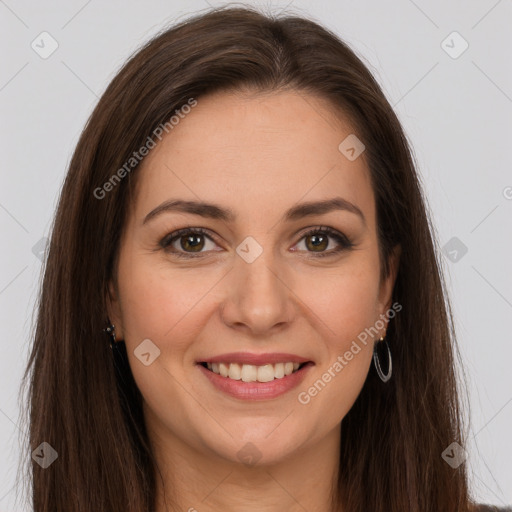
457 113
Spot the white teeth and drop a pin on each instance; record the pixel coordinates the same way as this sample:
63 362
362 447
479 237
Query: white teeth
253 373
265 373
279 370
235 372
223 369
249 373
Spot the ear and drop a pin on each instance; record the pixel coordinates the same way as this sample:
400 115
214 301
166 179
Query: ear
388 283
114 309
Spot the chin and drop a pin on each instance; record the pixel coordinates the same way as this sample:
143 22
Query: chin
259 449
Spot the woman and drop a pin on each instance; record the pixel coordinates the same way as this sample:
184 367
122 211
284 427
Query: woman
242 224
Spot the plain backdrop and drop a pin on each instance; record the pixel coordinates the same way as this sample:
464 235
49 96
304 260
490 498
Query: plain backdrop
452 92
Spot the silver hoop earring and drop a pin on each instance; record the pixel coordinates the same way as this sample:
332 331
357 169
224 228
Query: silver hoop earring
376 362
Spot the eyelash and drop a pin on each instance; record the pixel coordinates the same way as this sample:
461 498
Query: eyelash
344 242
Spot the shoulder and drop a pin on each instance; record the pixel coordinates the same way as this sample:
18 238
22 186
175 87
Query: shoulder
491 508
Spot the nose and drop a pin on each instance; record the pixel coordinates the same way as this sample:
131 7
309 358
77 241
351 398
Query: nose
259 299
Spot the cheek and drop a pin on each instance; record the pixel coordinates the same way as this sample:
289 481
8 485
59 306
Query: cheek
164 307
346 303
157 302
348 312
345 300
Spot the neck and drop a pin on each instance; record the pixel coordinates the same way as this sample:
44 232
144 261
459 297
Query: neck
192 480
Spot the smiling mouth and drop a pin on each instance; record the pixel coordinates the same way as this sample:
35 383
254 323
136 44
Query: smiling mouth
253 373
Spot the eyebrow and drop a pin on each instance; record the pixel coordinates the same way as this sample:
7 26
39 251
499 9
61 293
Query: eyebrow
213 211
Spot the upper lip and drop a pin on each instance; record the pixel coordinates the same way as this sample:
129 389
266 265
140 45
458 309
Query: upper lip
255 359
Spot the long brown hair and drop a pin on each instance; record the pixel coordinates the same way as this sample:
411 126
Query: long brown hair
88 407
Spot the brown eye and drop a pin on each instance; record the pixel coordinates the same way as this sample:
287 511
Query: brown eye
188 242
192 242
317 241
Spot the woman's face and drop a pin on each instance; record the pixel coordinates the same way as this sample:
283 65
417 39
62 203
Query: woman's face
254 283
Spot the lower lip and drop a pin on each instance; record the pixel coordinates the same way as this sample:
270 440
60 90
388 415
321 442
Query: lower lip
256 390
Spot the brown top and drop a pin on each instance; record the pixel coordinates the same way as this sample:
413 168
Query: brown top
492 508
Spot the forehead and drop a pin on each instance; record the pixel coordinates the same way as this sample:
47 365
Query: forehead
254 152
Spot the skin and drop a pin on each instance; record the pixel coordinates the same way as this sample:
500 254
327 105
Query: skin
257 154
